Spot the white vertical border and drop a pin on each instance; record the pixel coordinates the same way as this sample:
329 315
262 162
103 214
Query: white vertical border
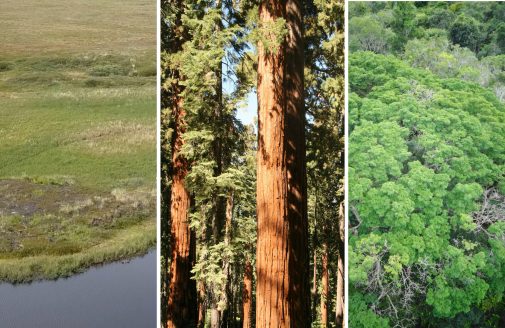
346 163
158 162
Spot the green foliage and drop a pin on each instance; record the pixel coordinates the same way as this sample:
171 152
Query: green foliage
403 24
450 40
269 35
422 151
362 316
324 89
465 31
207 49
369 35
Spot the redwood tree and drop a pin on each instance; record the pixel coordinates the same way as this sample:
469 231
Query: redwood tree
282 297
247 295
324 296
181 308
182 289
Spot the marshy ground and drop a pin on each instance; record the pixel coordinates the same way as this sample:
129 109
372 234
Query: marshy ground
77 135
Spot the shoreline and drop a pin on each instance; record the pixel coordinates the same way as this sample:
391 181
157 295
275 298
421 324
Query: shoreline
127 244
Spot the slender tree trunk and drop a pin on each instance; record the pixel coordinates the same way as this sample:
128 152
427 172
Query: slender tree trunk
182 289
283 292
314 286
214 318
324 295
314 274
225 314
247 295
201 305
219 219
340 267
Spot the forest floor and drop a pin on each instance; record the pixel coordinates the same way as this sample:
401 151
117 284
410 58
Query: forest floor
77 135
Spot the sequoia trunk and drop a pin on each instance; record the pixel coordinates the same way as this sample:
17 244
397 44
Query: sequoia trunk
340 268
247 295
283 293
324 294
182 289
313 291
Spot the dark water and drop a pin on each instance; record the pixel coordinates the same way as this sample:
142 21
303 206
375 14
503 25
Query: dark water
114 295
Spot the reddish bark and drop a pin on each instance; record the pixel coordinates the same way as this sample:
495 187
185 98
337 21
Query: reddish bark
283 294
313 291
324 294
340 267
247 296
181 310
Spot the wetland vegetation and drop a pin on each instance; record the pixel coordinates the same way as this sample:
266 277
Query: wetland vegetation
77 135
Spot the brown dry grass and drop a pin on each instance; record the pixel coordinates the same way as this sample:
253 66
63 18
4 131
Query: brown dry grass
116 137
35 27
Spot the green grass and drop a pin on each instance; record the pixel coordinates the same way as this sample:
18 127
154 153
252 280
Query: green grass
125 244
77 135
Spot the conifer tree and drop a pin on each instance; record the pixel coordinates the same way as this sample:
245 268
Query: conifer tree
324 80
282 296
181 290
214 145
231 168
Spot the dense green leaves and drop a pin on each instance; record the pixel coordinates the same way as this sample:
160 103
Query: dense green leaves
465 31
449 39
422 151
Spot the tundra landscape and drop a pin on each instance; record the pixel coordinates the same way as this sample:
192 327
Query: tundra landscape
77 135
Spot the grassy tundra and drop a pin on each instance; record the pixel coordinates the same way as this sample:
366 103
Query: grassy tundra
77 135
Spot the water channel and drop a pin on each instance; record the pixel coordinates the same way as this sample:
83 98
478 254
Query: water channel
120 294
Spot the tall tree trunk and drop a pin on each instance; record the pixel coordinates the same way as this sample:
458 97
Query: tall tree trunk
314 286
247 295
181 309
182 289
340 267
324 295
314 273
219 219
283 292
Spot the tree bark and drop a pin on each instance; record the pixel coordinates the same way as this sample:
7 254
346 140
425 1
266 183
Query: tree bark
324 294
314 286
182 289
215 319
340 267
201 305
247 296
283 292
314 273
